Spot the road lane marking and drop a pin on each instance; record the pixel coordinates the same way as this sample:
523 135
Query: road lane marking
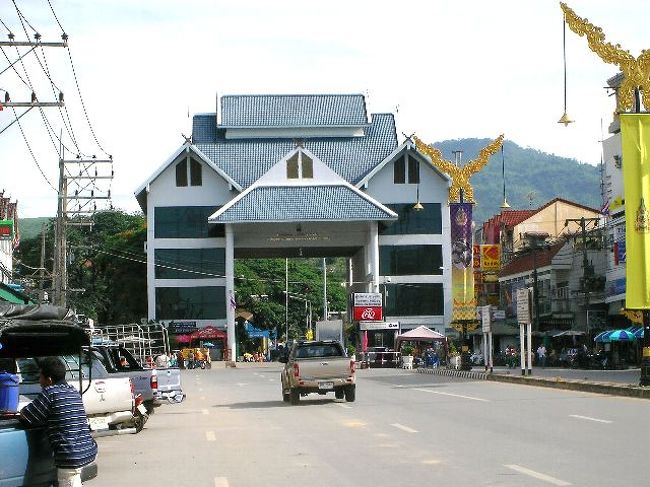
210 436
404 428
271 380
590 419
221 482
242 384
344 406
453 395
537 475
202 398
200 389
354 424
205 411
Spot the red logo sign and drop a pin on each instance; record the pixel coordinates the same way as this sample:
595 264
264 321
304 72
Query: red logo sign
368 313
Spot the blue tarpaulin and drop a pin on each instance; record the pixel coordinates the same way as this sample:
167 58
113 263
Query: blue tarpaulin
254 332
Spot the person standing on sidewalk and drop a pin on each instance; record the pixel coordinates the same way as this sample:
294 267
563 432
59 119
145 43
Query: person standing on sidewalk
541 355
60 409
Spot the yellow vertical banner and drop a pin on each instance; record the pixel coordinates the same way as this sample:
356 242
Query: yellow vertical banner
635 141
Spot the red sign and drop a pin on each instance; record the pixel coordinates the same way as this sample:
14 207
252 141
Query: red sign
368 313
5 230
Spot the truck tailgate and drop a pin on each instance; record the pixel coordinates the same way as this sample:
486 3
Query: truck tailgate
169 379
323 367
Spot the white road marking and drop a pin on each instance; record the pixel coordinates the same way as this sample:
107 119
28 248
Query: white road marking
242 384
221 482
210 436
452 395
202 398
205 411
344 406
404 428
590 419
537 475
272 380
200 389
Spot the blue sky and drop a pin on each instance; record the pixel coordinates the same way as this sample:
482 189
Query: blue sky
467 68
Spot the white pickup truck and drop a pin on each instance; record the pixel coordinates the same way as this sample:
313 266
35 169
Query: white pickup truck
108 401
317 367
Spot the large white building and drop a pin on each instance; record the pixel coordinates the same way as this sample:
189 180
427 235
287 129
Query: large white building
296 176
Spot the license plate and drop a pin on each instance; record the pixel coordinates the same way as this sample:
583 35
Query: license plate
326 385
97 424
142 409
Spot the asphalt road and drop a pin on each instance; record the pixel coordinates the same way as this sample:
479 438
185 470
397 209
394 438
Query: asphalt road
404 429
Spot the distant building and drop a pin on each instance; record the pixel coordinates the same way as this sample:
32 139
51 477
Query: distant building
296 176
9 237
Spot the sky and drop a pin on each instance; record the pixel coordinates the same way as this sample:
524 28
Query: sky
447 69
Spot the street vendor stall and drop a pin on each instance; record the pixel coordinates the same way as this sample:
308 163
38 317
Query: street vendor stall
217 338
423 338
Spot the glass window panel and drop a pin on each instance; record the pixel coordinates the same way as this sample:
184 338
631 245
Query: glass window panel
410 260
190 263
399 171
414 170
185 222
307 167
200 303
181 173
292 167
414 299
196 175
410 222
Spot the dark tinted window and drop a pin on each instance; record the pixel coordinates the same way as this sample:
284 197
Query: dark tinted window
399 171
185 222
190 263
196 177
414 299
405 260
181 173
425 221
201 303
414 170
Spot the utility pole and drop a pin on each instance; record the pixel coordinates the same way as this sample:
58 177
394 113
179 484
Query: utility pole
587 269
41 271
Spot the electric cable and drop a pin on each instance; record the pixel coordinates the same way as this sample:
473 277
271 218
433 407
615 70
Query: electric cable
31 151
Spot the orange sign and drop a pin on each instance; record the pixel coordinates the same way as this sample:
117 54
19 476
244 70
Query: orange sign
491 257
476 256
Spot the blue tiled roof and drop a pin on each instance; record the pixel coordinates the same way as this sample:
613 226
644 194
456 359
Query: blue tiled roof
293 111
245 160
302 203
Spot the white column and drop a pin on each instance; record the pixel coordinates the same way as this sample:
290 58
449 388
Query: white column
373 257
151 267
230 290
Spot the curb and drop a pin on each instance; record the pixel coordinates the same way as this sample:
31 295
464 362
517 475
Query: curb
614 389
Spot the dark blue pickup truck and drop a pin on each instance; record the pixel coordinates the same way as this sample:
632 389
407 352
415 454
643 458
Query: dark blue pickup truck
33 331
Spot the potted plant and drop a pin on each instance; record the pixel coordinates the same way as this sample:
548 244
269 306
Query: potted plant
454 356
407 356
351 352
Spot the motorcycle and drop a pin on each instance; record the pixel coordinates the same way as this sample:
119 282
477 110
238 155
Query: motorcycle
140 415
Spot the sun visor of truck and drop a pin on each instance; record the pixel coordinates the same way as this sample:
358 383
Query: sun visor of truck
28 338
35 312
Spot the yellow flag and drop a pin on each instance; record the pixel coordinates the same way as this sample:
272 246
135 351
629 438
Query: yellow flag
635 139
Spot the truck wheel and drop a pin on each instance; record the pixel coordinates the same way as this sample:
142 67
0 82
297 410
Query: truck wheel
339 393
295 396
285 396
350 392
138 421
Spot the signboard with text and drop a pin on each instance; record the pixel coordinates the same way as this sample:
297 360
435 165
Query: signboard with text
381 325
523 306
368 313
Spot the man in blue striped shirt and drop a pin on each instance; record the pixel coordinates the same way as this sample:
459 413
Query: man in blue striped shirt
60 409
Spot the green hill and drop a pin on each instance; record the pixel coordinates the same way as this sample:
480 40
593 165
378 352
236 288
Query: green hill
532 177
31 227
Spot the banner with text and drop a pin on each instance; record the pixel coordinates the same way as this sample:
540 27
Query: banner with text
491 258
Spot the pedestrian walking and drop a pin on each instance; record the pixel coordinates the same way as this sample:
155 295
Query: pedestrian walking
541 355
60 409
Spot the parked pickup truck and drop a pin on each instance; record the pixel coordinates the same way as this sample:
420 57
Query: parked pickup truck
317 367
108 401
33 331
154 384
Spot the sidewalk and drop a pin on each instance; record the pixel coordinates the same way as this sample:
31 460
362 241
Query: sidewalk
615 382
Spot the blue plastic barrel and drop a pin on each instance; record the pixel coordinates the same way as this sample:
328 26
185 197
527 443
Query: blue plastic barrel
8 392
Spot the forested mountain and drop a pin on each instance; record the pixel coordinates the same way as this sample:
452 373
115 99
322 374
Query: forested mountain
532 177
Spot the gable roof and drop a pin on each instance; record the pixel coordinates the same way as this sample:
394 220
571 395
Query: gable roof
251 111
301 203
404 147
567 202
543 258
186 147
245 160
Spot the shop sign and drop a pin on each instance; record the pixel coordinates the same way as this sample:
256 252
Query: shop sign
381 325
367 299
181 327
368 313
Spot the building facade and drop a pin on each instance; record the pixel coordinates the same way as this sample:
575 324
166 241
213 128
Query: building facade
296 176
